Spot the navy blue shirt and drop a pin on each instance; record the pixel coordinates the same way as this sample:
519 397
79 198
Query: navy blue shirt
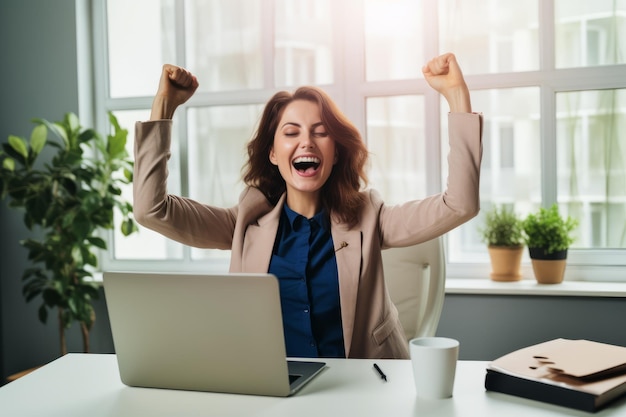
304 261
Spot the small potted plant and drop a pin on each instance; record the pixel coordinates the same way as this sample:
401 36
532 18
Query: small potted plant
548 236
502 232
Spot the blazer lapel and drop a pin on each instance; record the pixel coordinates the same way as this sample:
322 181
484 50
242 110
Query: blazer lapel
348 244
259 241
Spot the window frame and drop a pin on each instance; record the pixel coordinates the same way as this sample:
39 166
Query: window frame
351 93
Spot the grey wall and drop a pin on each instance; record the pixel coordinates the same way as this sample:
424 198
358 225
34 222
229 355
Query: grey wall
38 78
489 326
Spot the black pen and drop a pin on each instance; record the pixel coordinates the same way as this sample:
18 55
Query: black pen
380 372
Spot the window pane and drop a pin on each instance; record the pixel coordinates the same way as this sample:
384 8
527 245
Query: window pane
146 244
395 139
393 39
223 43
511 165
590 33
136 56
494 37
591 163
303 42
217 151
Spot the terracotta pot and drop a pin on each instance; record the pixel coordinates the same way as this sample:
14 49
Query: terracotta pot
505 263
548 268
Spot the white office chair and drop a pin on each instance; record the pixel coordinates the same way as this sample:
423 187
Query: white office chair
416 280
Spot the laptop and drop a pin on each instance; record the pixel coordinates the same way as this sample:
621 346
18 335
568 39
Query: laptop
210 332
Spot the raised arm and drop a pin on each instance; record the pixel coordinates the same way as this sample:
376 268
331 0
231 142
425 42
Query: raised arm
176 86
419 220
444 75
182 219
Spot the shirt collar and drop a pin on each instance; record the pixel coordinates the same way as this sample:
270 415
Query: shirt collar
320 218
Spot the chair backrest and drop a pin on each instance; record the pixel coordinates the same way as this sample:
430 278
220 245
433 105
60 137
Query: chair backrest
416 279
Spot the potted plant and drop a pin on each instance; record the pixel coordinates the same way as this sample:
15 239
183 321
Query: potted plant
502 232
68 195
548 236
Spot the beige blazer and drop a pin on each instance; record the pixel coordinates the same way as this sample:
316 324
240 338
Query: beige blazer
371 328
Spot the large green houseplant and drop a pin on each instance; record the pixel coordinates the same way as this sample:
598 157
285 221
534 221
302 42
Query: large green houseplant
67 181
502 232
548 236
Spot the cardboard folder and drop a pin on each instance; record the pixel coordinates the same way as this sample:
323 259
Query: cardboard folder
579 374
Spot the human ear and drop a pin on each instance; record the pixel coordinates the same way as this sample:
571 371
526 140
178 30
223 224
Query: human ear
272 156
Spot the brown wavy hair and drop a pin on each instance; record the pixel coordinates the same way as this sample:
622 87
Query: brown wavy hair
341 192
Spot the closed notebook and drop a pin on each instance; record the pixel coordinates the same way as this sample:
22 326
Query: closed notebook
579 374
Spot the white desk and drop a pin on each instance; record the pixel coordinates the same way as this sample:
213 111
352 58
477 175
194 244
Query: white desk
89 385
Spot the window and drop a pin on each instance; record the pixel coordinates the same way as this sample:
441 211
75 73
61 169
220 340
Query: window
591 169
547 75
399 157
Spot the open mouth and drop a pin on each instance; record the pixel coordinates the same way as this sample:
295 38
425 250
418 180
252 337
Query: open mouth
306 164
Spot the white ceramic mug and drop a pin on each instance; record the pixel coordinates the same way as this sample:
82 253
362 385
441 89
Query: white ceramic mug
434 365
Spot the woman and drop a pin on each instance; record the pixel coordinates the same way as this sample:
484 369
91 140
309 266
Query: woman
305 216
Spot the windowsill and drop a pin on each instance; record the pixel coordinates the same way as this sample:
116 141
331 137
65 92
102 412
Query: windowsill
530 287
526 286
